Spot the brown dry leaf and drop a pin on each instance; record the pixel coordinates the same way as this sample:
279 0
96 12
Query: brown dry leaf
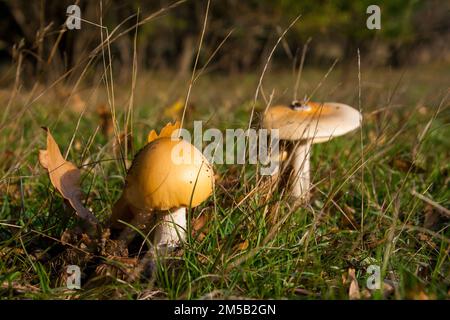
419 296
201 236
15 251
203 259
65 177
19 288
199 228
12 190
401 164
432 217
217 176
406 166
199 222
353 291
423 237
418 292
7 160
304 292
243 245
388 289
117 267
344 278
166 132
366 294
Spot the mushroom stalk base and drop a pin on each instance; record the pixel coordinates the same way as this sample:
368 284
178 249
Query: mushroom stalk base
171 229
301 175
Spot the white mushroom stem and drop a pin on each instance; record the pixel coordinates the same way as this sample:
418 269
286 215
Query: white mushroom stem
301 175
170 230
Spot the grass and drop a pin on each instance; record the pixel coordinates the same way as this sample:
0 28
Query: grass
254 245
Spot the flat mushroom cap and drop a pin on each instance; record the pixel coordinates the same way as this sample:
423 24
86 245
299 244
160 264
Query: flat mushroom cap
168 174
319 122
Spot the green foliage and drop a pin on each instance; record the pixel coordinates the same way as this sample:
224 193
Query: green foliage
348 18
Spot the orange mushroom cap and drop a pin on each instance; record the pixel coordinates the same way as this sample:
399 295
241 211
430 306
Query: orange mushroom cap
318 122
168 174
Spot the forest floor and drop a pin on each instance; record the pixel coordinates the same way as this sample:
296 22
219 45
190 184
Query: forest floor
380 196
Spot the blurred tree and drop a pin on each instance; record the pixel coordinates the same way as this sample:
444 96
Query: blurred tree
336 27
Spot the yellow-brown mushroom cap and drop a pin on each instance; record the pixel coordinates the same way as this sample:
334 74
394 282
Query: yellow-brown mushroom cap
168 174
318 122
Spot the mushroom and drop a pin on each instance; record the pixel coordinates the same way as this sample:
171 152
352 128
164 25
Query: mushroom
309 123
167 176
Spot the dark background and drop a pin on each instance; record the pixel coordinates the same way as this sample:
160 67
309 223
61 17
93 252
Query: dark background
413 32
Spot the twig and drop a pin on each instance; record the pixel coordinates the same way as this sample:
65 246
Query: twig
437 206
361 131
300 68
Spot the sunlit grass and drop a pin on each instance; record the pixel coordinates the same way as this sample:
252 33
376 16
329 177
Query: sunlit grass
362 210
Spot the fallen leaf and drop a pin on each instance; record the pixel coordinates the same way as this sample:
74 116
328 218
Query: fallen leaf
242 246
117 267
65 177
217 176
203 259
201 236
432 218
366 294
388 288
199 227
7 159
304 292
19 288
420 296
15 251
423 236
353 291
344 278
406 166
199 222
418 292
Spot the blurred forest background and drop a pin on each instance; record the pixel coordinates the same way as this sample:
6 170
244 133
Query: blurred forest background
380 195
412 32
